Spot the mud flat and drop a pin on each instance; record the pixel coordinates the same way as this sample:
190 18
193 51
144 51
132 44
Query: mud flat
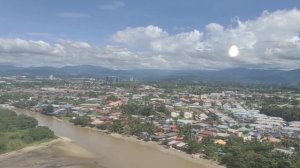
57 153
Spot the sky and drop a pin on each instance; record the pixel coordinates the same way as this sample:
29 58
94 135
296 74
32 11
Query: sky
156 34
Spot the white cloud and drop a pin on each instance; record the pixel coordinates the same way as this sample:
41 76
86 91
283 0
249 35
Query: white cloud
65 52
269 41
140 36
73 15
112 5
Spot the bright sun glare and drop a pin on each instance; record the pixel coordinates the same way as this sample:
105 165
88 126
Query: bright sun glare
233 51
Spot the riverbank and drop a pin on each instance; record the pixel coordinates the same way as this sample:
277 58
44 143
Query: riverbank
116 150
171 151
155 145
28 148
56 153
20 131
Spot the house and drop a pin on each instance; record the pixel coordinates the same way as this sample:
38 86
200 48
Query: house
222 135
207 134
284 151
144 136
246 138
163 137
220 142
180 145
256 136
184 122
274 140
158 138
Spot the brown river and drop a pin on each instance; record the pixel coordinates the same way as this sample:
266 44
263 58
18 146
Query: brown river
114 152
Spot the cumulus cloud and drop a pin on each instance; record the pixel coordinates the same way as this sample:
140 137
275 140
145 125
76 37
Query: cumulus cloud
269 41
65 52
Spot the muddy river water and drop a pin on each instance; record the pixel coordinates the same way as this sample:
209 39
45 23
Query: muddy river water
114 152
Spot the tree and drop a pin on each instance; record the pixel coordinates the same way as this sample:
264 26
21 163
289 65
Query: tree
294 102
25 122
55 102
92 94
284 164
136 126
116 126
133 108
10 121
112 98
102 126
287 113
81 120
253 159
18 130
186 132
3 143
162 108
38 133
48 109
193 147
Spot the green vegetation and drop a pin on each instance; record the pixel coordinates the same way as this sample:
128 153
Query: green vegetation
48 109
185 132
144 109
24 104
18 131
136 127
239 154
256 154
10 121
112 98
132 126
287 113
81 120
20 100
132 108
102 126
116 126
84 121
193 147
275 100
93 94
162 108
37 134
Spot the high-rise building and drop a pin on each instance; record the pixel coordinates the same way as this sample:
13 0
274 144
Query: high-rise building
111 80
51 77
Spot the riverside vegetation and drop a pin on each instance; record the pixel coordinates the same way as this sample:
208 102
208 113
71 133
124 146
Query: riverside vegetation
18 131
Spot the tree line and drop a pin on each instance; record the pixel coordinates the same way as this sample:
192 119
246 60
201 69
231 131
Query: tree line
239 154
17 131
285 112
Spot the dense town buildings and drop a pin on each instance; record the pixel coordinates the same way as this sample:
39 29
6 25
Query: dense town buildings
218 114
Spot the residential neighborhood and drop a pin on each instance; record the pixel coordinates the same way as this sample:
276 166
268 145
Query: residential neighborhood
171 116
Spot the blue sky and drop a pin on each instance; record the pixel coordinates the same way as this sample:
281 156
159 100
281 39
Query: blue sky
38 19
102 24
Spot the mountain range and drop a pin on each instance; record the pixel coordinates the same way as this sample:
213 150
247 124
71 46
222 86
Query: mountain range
237 75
